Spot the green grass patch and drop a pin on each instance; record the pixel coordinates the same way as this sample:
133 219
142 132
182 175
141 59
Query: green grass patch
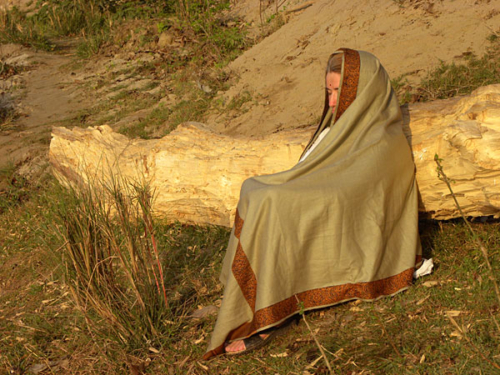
17 27
193 107
99 23
91 19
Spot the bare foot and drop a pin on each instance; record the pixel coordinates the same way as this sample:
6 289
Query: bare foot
239 345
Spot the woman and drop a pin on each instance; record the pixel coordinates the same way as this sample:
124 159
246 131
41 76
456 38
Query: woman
340 225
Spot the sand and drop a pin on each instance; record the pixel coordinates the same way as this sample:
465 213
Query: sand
284 73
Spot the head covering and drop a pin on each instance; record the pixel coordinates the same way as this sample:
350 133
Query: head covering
340 225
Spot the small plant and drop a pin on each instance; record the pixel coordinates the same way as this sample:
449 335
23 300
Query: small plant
448 80
238 100
7 113
162 26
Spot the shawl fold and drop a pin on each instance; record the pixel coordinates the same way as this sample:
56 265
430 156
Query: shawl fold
340 225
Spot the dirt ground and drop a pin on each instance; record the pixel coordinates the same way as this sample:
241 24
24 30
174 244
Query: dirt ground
43 93
280 78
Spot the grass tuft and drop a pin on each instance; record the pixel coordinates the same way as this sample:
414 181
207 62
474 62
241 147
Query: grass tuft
451 79
111 261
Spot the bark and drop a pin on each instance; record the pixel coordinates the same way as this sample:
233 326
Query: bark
196 173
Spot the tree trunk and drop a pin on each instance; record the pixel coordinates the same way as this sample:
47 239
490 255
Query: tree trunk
197 174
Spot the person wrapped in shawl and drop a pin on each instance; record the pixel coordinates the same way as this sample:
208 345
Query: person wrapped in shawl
340 225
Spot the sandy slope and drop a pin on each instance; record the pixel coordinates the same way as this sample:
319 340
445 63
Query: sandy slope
284 75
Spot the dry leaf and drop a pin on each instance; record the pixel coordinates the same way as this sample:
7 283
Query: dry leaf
423 300
453 313
280 355
202 366
313 363
430 284
456 334
196 342
37 368
204 312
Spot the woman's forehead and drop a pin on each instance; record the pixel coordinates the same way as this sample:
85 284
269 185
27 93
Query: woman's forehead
332 79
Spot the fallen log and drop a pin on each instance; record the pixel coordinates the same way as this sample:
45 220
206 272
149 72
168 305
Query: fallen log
197 173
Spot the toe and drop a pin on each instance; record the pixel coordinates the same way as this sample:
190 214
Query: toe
235 346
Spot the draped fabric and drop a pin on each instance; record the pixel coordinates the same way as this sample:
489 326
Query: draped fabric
340 225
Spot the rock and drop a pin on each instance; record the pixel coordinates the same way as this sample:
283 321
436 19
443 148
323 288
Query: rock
166 40
21 60
156 91
140 85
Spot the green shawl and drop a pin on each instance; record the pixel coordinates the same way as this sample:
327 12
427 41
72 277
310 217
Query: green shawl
340 225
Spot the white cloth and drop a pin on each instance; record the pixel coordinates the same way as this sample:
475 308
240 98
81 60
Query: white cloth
425 268
316 142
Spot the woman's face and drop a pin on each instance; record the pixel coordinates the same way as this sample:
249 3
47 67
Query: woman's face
332 88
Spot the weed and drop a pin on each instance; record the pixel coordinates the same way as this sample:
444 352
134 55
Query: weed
153 121
448 80
7 115
492 38
238 100
16 27
189 110
402 88
91 44
14 189
93 20
217 40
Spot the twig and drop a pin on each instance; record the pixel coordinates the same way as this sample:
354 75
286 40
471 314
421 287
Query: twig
442 176
495 321
260 12
320 347
300 7
496 33
385 333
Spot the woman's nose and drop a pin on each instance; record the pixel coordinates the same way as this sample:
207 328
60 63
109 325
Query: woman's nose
332 100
